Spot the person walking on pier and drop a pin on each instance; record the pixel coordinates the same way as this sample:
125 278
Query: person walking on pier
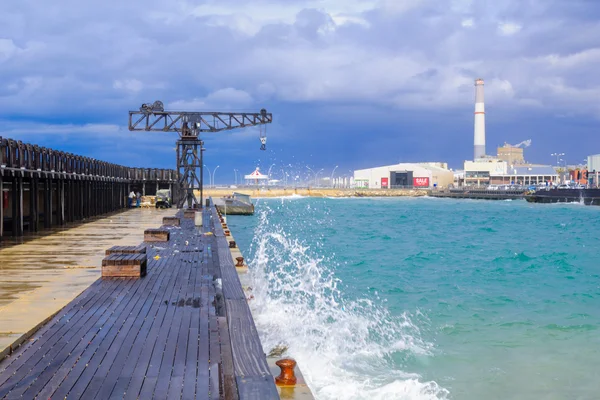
131 197
138 197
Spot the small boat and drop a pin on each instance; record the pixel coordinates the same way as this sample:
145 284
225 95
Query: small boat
235 204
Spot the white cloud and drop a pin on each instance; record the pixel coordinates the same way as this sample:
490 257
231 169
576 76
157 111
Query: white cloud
400 6
467 23
508 28
128 85
7 49
227 99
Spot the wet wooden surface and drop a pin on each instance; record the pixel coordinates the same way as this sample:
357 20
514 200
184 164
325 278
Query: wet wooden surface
41 273
164 336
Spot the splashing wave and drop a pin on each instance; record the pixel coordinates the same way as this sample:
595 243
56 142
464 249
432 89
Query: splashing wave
346 348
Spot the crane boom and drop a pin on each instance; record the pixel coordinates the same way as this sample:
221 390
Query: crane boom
173 121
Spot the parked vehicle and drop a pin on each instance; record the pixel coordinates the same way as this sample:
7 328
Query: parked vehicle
163 199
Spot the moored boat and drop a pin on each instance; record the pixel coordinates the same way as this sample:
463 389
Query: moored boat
585 196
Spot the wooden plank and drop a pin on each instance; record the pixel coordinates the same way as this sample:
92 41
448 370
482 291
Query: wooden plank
62 327
70 364
191 360
70 381
125 337
153 369
179 365
169 361
214 349
232 287
146 342
257 387
248 356
229 382
71 312
135 340
36 366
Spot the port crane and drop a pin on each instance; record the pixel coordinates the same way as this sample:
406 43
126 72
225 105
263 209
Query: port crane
152 117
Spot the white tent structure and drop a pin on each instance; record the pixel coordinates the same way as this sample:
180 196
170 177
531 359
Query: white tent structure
255 177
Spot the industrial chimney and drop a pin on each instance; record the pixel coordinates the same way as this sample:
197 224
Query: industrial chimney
479 120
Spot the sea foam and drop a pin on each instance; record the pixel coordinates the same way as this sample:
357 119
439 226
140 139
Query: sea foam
344 347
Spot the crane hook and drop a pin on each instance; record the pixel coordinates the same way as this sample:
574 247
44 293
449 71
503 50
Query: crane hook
263 136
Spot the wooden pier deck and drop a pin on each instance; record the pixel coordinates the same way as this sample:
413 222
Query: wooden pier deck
182 332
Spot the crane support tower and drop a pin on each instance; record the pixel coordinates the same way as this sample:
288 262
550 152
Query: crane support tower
152 117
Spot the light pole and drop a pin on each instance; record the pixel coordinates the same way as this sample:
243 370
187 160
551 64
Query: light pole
213 176
209 176
310 169
557 155
331 180
235 171
317 174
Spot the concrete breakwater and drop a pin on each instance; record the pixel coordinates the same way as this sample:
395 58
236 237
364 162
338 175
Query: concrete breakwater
315 192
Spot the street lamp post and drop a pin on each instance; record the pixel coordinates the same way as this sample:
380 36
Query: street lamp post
331 180
213 176
269 173
318 172
310 169
557 155
209 176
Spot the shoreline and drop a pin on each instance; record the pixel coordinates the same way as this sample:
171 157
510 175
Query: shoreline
316 192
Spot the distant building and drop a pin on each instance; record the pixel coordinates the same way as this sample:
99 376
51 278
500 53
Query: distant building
512 155
405 175
478 172
593 168
526 175
494 171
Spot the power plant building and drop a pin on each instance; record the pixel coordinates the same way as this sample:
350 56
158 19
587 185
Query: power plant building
512 155
405 175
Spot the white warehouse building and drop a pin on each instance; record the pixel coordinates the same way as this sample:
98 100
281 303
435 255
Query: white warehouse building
405 175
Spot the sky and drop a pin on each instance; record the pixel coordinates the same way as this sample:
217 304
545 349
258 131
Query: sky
350 83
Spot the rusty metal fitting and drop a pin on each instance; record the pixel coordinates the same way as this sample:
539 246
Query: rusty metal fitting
232 244
287 376
240 261
227 233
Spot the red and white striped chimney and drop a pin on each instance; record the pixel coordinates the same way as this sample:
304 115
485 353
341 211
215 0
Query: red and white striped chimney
479 120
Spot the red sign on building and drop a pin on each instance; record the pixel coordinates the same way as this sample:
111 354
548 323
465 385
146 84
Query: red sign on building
384 183
421 182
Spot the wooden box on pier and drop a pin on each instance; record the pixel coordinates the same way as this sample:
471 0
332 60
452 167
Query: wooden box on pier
171 221
124 266
140 249
156 235
189 213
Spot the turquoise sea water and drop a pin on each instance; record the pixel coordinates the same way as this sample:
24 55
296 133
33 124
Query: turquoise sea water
429 298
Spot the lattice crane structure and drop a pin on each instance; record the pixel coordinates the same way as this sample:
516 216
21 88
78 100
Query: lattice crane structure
189 126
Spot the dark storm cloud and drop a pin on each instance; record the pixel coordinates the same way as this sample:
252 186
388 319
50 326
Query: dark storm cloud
73 61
